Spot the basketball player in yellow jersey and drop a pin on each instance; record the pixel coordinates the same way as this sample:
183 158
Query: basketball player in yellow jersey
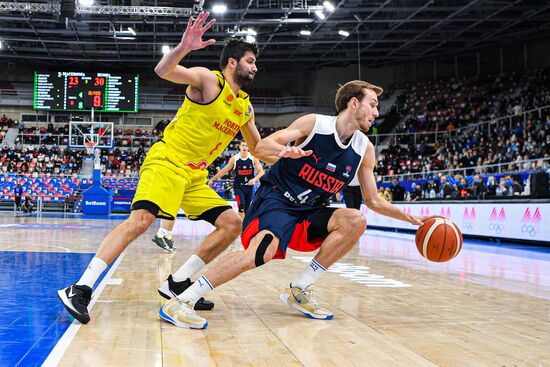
173 175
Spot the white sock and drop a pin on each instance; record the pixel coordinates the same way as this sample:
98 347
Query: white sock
310 274
92 272
196 291
164 232
190 268
169 236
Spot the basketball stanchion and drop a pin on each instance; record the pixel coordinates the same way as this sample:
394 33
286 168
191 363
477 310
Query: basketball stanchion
39 205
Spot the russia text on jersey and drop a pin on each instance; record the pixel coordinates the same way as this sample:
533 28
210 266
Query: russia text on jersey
320 179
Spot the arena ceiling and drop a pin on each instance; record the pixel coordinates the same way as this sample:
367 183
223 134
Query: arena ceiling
381 32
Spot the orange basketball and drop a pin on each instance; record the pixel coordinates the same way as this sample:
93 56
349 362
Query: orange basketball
438 239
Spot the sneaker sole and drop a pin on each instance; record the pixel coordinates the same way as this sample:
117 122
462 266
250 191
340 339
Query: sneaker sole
67 304
284 300
165 317
162 247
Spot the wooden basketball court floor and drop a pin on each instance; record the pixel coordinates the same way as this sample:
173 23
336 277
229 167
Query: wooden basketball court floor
490 306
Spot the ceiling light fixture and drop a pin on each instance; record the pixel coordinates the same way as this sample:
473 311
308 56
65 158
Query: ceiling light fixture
305 32
219 8
329 6
343 33
86 2
320 14
165 49
250 39
251 32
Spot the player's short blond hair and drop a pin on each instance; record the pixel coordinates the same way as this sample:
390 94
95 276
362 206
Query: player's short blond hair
353 89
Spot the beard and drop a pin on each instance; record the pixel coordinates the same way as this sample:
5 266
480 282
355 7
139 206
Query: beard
243 77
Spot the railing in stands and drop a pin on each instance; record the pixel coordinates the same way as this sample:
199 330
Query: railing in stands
488 127
509 167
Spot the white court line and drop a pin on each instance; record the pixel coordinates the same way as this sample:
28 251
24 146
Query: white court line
63 344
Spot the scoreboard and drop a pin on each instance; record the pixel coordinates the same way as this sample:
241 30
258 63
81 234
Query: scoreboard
76 91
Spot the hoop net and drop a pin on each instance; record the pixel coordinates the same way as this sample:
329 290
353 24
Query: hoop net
90 145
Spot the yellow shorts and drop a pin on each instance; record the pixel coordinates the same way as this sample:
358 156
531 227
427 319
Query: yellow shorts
166 185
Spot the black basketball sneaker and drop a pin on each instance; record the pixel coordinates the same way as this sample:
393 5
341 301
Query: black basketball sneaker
171 289
76 299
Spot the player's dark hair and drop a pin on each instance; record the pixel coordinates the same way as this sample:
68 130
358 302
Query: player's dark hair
235 48
353 89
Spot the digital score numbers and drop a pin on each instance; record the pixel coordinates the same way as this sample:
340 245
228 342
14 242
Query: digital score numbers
75 91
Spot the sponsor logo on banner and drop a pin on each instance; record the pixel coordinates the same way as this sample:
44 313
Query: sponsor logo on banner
496 220
95 203
530 223
446 214
469 219
424 212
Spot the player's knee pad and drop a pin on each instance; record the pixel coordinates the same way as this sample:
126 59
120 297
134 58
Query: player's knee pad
262 248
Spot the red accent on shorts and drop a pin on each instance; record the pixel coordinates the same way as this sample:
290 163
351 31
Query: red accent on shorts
238 200
252 230
299 240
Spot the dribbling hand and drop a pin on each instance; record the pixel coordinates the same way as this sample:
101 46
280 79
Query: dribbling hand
294 152
192 38
418 221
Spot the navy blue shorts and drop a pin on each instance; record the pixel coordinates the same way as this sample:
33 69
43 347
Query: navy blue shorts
243 196
299 227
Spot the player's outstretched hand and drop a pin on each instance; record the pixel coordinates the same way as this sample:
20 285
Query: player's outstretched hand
192 38
294 152
420 220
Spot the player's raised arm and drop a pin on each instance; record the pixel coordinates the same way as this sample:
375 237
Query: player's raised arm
275 145
168 67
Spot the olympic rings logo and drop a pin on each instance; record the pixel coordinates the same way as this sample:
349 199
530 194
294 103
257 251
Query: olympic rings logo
496 227
529 229
467 226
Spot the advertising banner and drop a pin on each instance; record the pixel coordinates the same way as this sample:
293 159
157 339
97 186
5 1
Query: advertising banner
523 221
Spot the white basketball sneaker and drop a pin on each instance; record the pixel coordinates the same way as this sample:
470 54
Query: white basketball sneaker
304 301
182 314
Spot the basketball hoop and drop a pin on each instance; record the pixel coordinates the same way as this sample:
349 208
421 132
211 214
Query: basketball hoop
90 146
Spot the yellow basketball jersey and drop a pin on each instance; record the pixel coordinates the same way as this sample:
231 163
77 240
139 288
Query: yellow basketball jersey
200 132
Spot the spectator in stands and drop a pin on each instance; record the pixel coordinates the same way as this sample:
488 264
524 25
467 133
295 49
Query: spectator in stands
416 193
18 193
504 187
397 191
464 189
469 160
491 187
517 187
447 190
478 188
